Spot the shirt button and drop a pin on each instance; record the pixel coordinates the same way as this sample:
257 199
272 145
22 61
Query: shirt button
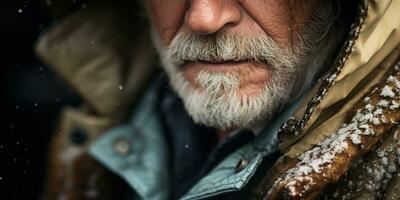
122 147
78 136
242 164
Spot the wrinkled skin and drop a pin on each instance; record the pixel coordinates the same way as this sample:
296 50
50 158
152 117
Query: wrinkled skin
280 20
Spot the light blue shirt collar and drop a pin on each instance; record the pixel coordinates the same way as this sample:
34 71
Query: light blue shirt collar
145 165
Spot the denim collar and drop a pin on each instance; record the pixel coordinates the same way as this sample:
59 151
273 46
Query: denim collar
145 165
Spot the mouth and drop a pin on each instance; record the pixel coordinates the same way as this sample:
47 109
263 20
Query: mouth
220 65
221 62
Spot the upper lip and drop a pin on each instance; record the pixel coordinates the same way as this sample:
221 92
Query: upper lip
218 61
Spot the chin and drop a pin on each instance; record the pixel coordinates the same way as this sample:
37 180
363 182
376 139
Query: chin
227 111
230 98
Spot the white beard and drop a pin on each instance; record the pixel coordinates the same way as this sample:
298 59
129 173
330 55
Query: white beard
217 103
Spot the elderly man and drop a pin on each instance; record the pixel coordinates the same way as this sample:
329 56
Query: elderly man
258 99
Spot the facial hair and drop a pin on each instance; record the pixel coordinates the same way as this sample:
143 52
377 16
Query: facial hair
217 103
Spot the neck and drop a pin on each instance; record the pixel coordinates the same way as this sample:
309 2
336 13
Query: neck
223 134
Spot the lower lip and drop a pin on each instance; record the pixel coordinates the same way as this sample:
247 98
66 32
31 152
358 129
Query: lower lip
253 74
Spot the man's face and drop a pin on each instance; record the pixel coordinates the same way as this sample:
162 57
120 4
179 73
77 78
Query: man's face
234 63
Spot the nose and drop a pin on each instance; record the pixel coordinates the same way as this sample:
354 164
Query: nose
210 16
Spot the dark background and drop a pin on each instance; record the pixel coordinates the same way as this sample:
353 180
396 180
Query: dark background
31 99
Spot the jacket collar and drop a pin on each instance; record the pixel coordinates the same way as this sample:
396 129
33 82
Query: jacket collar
104 56
373 39
145 166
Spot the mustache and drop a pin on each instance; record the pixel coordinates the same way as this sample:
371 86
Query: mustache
229 47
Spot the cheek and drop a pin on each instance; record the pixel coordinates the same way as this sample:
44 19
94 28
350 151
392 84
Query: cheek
167 17
271 16
280 19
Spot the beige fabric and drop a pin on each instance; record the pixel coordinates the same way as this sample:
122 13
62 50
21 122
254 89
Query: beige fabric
373 52
103 54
